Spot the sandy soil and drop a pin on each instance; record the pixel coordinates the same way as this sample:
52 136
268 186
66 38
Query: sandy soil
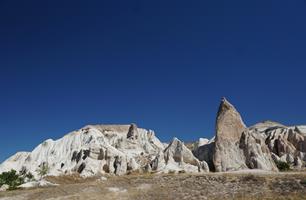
241 186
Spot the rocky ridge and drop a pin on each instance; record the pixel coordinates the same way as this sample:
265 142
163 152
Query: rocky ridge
237 147
106 149
124 149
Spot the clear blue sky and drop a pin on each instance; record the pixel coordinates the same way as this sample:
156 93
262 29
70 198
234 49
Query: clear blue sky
162 64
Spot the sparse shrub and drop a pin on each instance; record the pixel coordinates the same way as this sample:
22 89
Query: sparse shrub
43 169
171 172
249 178
23 171
134 172
182 172
106 168
12 179
303 182
29 176
282 166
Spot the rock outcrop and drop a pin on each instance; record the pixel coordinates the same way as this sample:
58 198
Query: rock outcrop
235 147
124 149
133 132
287 144
182 158
257 154
4 188
205 152
202 142
229 128
100 149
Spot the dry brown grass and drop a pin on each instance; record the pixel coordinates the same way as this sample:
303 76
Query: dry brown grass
278 186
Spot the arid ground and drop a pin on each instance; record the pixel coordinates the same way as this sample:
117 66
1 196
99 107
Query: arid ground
169 186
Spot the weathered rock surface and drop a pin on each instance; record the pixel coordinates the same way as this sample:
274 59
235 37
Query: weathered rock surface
257 154
4 188
123 149
40 183
287 144
205 153
182 158
133 132
235 146
100 149
229 128
202 141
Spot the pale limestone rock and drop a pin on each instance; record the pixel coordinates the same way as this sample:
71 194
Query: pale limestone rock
100 149
179 155
4 188
237 147
275 157
204 166
93 150
39 183
102 179
202 141
298 163
288 143
121 149
205 153
133 132
257 154
229 128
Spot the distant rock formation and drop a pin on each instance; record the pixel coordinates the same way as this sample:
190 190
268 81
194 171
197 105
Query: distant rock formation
178 153
287 144
205 152
124 149
100 149
133 132
257 154
229 128
235 146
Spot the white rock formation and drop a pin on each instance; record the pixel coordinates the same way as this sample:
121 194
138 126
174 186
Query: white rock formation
205 153
40 183
4 188
235 147
229 128
288 144
122 149
178 156
202 141
257 154
94 150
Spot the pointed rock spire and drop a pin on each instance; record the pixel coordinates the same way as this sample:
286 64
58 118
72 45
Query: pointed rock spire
229 124
236 146
133 132
229 128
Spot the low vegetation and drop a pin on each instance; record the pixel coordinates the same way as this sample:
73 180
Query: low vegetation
14 179
43 170
303 182
282 166
11 178
253 186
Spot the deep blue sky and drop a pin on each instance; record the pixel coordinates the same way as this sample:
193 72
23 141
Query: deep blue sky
162 64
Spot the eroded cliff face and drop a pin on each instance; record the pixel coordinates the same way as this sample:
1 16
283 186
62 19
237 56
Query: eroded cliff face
229 128
286 144
235 146
99 149
123 149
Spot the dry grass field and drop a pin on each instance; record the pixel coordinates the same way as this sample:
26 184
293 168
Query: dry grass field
242 186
